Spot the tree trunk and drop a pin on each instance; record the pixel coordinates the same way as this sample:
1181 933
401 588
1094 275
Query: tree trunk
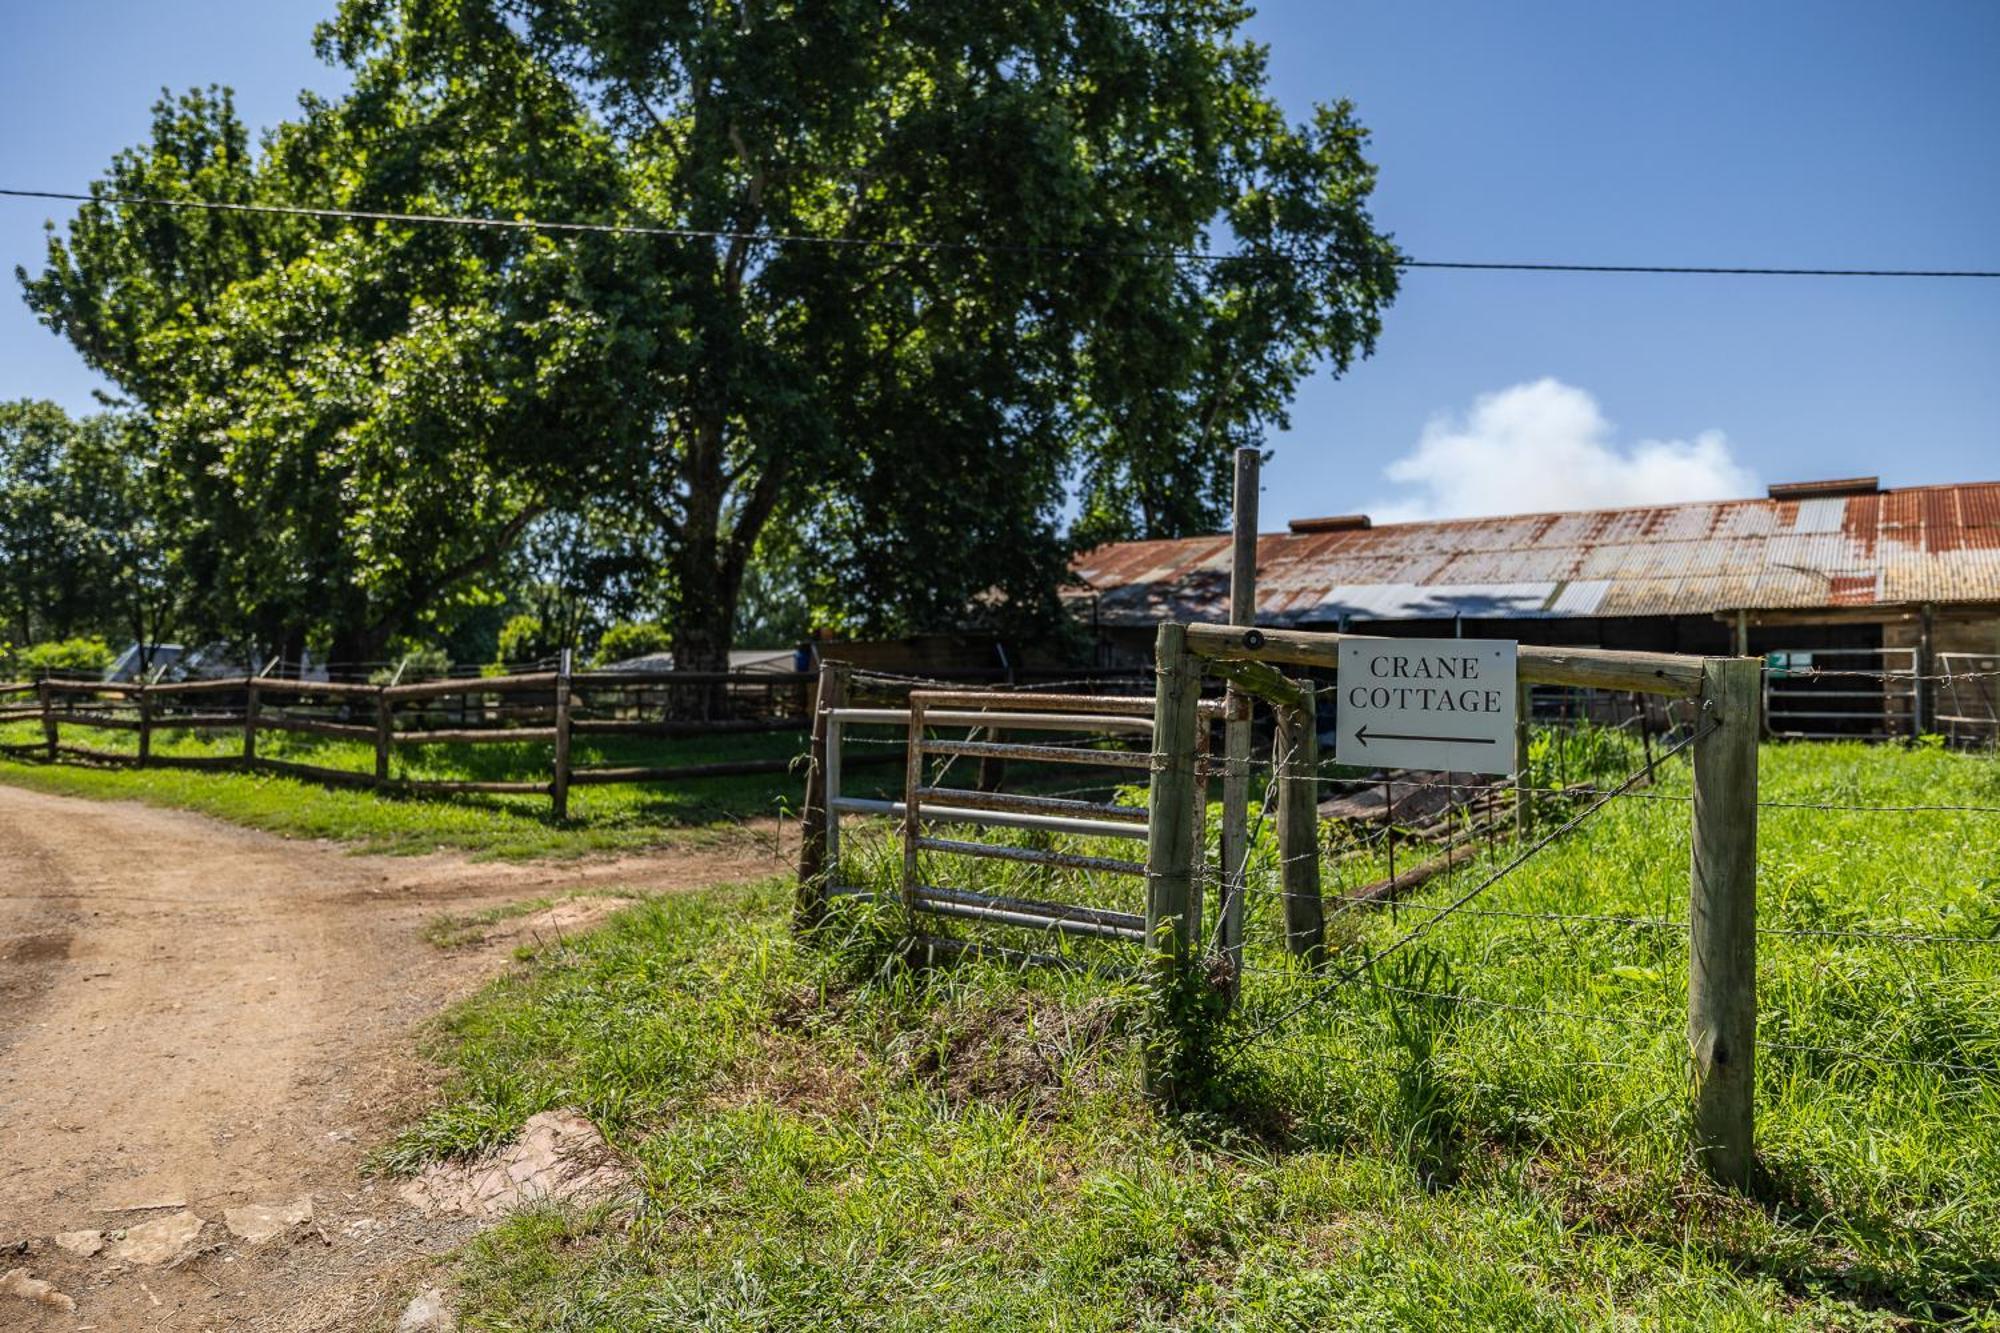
353 647
705 623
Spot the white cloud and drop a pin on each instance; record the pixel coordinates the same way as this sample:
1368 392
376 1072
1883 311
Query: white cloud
1544 446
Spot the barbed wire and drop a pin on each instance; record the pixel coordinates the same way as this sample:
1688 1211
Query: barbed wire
1411 936
1878 1058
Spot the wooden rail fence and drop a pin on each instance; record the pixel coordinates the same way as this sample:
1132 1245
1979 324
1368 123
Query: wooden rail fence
544 708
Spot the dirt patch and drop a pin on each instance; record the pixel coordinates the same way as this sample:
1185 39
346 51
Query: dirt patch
1018 1054
536 929
228 1026
37 948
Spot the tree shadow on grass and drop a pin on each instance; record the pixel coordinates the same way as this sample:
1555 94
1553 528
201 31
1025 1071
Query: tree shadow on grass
1881 1263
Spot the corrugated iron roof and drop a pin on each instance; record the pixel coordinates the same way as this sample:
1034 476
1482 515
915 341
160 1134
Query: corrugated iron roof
1919 544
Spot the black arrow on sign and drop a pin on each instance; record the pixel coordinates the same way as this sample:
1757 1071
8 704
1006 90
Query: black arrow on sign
1362 736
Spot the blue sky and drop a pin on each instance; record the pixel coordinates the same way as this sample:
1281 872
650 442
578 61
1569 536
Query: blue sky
1795 134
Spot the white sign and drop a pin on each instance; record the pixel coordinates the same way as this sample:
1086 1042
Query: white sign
1441 704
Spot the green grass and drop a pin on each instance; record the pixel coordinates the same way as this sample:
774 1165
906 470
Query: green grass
602 818
1490 1134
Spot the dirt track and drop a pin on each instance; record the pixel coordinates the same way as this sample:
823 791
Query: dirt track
195 1016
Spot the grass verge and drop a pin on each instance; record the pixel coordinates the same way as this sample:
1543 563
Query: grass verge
626 817
1491 1135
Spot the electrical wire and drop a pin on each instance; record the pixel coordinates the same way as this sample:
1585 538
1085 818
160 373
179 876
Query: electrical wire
1179 256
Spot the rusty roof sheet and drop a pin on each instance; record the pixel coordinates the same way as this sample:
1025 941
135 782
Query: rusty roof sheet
1919 544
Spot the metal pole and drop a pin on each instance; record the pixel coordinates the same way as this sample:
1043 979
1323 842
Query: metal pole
819 838
1236 727
559 788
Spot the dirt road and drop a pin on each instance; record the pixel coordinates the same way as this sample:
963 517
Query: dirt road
195 1017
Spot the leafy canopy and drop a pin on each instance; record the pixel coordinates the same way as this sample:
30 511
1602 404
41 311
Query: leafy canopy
994 331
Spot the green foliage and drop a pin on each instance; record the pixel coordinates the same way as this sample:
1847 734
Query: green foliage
418 664
79 552
1583 754
630 639
358 423
522 639
81 656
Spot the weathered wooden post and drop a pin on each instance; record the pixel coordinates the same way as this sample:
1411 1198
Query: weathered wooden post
559 788
1236 726
1298 826
1923 702
818 846
1722 920
1170 835
145 725
49 735
383 711
249 721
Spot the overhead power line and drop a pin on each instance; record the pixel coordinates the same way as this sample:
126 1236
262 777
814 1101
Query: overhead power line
984 247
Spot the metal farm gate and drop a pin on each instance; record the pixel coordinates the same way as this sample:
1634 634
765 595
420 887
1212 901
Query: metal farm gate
947 824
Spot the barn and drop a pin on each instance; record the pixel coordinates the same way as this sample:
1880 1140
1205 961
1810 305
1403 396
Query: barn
1878 609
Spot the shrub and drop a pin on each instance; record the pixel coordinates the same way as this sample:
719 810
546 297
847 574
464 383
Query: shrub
634 638
419 664
66 656
522 639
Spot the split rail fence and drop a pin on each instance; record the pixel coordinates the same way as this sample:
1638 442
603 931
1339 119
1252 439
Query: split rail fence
553 708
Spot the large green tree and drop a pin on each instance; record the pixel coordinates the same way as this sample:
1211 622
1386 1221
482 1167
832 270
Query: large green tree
357 421
80 549
916 286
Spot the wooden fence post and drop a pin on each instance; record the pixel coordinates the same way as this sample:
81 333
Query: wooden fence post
1524 800
145 726
249 721
1170 831
559 788
383 732
1236 726
1298 827
818 846
1722 920
49 735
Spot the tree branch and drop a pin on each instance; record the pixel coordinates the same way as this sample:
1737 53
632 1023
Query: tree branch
755 513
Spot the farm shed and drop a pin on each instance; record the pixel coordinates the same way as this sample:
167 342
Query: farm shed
1879 609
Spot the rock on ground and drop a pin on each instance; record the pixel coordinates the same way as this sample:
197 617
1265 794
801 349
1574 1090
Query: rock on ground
560 1155
16 1282
82 1244
430 1312
158 1241
258 1222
